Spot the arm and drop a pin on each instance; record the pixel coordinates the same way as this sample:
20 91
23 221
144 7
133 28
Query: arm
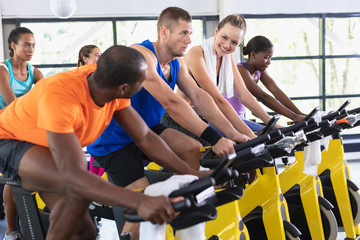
150 143
177 107
246 97
5 89
194 60
264 97
37 75
280 96
71 164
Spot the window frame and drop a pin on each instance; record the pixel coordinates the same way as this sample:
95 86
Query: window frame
322 97
113 20
322 56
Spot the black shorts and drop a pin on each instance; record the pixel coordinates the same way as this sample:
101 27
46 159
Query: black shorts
126 165
11 153
169 122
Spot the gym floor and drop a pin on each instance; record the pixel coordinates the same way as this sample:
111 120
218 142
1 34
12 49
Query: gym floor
108 228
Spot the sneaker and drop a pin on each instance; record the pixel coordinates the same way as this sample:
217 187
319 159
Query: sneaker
13 236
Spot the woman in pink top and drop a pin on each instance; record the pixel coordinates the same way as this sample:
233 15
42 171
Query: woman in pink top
260 50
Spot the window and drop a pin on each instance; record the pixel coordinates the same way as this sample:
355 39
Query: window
342 36
290 36
317 54
132 32
59 41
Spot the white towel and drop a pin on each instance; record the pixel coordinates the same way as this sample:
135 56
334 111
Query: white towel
312 157
325 142
158 232
226 76
312 153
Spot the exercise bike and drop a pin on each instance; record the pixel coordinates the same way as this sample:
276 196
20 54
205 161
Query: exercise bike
247 158
336 181
263 207
309 210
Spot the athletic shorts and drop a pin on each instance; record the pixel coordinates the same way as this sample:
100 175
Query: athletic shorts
11 153
169 122
126 165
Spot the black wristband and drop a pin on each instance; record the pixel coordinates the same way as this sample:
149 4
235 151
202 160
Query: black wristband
210 135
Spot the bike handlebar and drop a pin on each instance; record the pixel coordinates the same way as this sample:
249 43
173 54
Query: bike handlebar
132 216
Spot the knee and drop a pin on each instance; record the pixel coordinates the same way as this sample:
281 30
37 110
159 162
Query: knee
192 154
194 148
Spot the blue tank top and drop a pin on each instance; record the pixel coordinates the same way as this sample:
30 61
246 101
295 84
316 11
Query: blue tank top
19 87
114 136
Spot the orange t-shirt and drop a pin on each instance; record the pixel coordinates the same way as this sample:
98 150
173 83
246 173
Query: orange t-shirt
62 104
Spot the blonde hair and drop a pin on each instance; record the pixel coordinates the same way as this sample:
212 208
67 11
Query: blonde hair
235 20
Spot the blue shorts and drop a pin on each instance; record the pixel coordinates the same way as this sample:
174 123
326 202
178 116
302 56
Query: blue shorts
253 125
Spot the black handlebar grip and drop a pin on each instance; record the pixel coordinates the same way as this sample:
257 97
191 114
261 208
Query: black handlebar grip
316 125
252 142
311 114
211 162
275 133
182 205
331 130
331 116
312 137
345 104
194 187
132 216
354 111
311 127
294 128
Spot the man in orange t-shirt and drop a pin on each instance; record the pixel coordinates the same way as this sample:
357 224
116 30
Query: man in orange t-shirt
42 134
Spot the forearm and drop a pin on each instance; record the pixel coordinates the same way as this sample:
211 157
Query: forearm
8 96
256 109
278 107
210 111
286 101
229 112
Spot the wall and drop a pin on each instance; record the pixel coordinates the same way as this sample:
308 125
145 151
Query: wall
97 8
287 6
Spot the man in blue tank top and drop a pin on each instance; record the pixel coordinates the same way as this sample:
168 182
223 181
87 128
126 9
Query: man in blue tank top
117 152
165 70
